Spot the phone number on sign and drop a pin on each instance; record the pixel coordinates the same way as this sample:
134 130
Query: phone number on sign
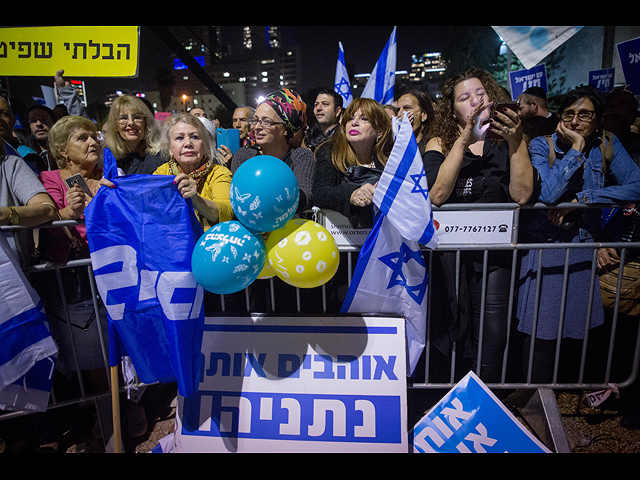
474 228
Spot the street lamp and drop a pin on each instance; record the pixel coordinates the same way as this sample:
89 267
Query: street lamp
184 98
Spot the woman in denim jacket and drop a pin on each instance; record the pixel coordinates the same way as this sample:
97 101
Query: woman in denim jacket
586 166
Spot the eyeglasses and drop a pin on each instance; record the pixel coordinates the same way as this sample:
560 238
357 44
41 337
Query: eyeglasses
583 115
124 119
265 122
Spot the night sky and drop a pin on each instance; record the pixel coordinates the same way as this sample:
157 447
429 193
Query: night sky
319 55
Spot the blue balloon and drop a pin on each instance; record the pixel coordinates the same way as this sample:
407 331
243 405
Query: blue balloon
228 258
264 194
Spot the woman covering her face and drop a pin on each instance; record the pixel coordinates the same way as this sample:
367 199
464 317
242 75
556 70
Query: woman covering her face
579 164
477 156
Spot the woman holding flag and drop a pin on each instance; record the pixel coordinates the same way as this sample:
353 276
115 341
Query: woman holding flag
193 160
478 156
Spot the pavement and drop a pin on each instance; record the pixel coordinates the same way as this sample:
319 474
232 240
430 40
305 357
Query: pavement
590 430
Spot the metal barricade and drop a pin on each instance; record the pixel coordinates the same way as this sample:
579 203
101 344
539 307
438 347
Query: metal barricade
431 374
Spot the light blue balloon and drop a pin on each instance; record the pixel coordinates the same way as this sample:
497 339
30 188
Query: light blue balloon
264 194
228 258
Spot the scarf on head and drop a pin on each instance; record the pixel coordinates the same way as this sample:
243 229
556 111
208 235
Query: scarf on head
200 175
290 108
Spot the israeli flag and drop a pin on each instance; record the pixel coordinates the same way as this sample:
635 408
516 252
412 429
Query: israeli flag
28 354
533 44
391 274
402 193
381 84
343 85
142 235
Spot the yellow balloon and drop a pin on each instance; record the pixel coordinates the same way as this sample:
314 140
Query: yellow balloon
303 254
267 272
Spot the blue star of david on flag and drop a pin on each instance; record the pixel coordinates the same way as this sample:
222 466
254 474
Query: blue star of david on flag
391 275
418 181
342 84
344 89
396 261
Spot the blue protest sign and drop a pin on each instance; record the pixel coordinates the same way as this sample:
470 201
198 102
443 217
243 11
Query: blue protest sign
525 79
629 53
603 80
470 419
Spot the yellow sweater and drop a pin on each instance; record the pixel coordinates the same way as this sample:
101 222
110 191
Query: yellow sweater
215 189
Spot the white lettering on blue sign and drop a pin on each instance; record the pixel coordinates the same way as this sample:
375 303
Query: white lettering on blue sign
295 417
445 425
131 284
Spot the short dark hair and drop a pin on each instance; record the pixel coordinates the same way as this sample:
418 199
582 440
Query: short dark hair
598 99
338 100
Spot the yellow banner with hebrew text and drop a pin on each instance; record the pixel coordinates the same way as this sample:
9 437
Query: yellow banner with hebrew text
101 51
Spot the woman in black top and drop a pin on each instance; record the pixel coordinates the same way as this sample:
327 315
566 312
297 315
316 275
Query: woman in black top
133 136
349 165
475 157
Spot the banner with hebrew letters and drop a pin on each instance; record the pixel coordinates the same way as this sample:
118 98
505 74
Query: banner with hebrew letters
100 51
298 385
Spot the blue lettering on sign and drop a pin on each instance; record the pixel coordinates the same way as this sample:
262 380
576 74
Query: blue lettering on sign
294 417
323 367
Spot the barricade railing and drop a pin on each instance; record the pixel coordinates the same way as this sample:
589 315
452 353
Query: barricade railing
431 372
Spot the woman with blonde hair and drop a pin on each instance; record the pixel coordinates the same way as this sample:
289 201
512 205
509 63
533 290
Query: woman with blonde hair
133 136
349 165
193 160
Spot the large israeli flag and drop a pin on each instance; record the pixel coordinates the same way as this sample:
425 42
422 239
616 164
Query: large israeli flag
533 44
28 353
402 193
391 274
381 84
343 84
142 235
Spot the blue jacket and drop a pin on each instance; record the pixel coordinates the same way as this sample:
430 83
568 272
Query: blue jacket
581 175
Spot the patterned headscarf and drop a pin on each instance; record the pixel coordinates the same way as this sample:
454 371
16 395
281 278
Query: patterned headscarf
290 108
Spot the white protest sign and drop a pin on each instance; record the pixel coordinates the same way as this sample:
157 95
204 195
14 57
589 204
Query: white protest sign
479 227
305 385
470 419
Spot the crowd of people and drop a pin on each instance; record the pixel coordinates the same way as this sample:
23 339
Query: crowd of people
473 152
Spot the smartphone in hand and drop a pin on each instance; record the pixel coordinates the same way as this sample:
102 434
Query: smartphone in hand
78 179
229 138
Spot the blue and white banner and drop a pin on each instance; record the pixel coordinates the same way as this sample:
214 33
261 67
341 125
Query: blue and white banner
28 354
298 385
343 84
391 274
629 53
533 44
470 419
142 235
382 82
523 80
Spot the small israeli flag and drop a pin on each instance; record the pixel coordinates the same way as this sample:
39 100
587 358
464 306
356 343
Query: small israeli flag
381 84
391 274
343 85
